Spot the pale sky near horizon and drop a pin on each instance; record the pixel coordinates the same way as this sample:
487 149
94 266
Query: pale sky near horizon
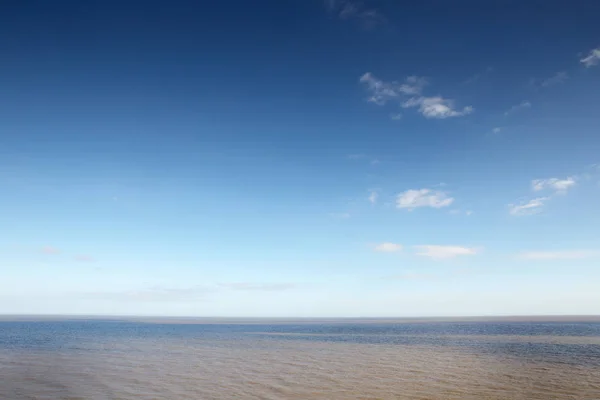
303 159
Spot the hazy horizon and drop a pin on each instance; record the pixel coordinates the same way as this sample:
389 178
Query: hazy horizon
357 319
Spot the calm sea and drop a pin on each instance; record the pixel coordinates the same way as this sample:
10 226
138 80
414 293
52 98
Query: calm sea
118 359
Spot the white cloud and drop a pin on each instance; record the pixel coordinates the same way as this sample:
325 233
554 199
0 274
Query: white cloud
436 107
388 247
381 92
519 107
396 116
408 95
533 206
558 255
496 130
558 185
444 252
593 58
555 186
559 77
373 197
413 85
415 198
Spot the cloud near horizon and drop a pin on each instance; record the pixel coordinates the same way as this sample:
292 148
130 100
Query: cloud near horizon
558 255
154 294
190 293
411 276
266 287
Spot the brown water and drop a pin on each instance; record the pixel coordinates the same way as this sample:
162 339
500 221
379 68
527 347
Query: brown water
278 365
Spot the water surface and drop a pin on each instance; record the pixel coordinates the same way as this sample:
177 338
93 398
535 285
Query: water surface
131 359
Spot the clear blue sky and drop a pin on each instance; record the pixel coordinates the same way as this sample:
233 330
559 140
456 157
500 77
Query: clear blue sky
300 158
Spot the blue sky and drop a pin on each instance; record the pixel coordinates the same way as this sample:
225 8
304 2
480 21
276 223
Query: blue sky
286 158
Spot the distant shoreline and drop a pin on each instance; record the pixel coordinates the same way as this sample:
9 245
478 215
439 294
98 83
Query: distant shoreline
286 321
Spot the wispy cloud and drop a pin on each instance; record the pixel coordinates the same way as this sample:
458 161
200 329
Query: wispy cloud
358 10
363 157
408 95
551 187
436 107
476 77
496 130
415 198
382 92
592 59
263 287
558 255
373 196
558 185
185 294
519 107
559 77
396 116
533 206
156 294
388 247
437 252
50 250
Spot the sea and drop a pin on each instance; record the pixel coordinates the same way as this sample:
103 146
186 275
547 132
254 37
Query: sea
154 358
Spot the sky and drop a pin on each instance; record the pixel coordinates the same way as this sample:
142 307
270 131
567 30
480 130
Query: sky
300 158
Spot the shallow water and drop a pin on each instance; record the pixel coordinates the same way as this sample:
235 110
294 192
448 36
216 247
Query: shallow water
449 360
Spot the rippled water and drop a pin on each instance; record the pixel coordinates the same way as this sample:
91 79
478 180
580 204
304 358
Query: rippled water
450 360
